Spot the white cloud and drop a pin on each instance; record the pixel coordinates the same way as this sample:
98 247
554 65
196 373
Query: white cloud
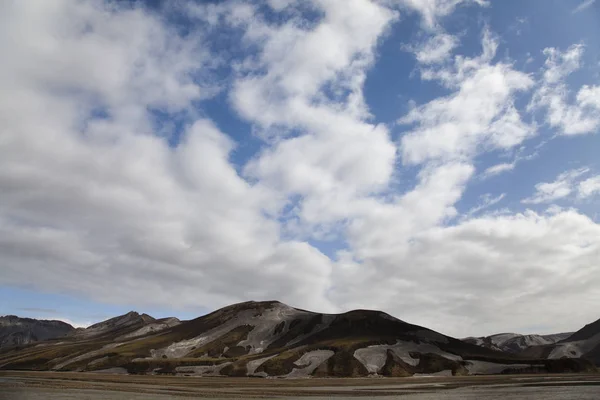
299 61
562 187
479 115
91 203
589 187
583 5
572 118
436 49
498 169
486 201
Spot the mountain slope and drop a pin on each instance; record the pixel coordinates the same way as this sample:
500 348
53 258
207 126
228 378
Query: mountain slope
15 331
585 343
514 342
273 339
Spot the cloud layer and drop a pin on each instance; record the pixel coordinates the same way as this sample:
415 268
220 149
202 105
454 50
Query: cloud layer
118 185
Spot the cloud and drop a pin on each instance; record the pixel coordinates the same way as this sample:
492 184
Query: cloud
480 115
561 187
518 158
589 187
436 49
498 169
487 201
580 116
583 5
95 198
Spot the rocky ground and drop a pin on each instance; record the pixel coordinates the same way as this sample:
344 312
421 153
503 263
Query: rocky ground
106 386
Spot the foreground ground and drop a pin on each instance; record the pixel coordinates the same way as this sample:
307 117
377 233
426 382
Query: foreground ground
66 385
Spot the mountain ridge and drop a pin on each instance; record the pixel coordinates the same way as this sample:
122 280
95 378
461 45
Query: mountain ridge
272 339
18 331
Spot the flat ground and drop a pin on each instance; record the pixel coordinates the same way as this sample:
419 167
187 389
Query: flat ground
68 385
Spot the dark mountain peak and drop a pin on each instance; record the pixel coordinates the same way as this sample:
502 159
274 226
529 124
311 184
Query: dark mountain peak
121 324
584 333
252 304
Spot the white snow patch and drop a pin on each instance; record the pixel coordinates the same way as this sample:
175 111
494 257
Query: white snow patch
86 356
500 338
309 362
251 366
261 336
374 357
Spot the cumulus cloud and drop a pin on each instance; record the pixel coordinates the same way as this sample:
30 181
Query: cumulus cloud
94 198
479 115
562 187
578 116
589 187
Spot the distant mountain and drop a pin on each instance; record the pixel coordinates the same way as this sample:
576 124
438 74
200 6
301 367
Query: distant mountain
516 343
271 339
15 331
585 343
129 325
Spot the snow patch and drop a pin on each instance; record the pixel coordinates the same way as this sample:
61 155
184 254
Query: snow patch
309 362
251 366
86 356
258 339
374 357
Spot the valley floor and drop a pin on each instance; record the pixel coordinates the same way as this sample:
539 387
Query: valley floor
16 385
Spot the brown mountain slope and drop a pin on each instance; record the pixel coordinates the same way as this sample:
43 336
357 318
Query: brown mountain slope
272 339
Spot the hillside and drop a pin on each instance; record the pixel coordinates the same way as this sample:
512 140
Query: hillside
268 339
585 343
15 331
516 343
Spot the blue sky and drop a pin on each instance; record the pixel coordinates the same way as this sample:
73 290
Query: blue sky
433 159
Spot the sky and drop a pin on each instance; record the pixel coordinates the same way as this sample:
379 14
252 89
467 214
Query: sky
433 159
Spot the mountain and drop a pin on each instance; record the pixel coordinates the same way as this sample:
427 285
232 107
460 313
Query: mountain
271 339
129 325
585 343
15 331
516 343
